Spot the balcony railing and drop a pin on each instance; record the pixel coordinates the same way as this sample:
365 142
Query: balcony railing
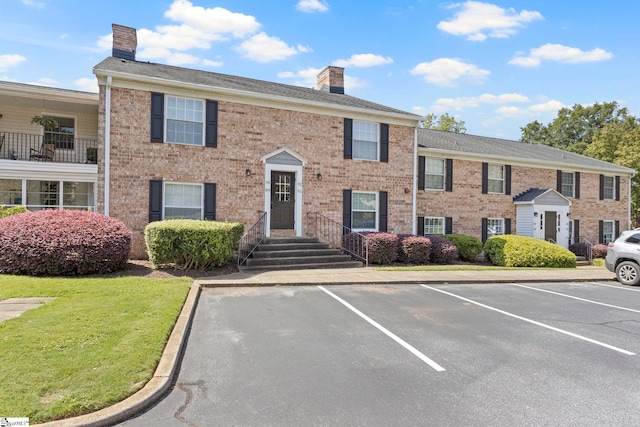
30 147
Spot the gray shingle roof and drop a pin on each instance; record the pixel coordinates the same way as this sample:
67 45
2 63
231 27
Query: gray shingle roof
530 195
225 81
480 146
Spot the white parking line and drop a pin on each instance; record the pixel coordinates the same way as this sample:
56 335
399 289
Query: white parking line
562 331
626 288
388 333
576 298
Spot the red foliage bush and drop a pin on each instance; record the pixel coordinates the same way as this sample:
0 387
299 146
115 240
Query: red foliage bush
442 250
416 249
55 242
383 248
599 251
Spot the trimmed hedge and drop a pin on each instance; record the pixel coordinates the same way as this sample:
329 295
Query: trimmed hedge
519 251
383 248
12 210
599 251
191 244
402 256
416 249
442 250
469 247
62 243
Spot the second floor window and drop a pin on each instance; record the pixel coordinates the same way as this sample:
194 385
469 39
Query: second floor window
496 179
567 184
365 141
185 120
608 188
434 174
62 134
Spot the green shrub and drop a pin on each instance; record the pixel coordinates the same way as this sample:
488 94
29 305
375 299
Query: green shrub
12 210
191 244
469 247
520 251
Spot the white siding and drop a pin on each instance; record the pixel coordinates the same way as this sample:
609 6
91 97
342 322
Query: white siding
524 220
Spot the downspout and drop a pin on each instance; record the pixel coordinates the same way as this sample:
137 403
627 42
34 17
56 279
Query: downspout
107 145
629 225
414 192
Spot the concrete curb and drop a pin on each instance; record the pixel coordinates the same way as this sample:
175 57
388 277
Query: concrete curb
155 388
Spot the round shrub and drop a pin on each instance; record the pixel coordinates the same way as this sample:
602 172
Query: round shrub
469 247
61 243
12 210
402 256
416 249
442 250
599 251
520 251
383 248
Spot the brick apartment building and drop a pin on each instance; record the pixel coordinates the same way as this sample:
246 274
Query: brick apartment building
177 142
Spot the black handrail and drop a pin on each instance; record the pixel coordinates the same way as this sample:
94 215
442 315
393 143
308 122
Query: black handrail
30 147
339 236
252 238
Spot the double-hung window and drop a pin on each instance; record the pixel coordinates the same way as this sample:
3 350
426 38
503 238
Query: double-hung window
608 188
365 140
184 120
608 231
495 226
364 211
183 201
495 181
434 173
433 226
567 184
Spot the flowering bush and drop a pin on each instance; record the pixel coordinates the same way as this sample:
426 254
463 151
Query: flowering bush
54 242
599 251
402 256
383 248
442 250
416 249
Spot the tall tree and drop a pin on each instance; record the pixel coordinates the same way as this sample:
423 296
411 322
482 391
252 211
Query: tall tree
445 122
574 127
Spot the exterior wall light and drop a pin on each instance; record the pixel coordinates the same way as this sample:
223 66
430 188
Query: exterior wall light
247 172
319 176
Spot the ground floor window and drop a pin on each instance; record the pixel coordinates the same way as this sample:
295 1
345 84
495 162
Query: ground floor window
183 201
495 226
608 231
47 194
364 207
433 225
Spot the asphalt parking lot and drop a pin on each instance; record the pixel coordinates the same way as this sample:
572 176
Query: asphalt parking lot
442 355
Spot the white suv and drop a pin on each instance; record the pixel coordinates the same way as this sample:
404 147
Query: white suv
623 257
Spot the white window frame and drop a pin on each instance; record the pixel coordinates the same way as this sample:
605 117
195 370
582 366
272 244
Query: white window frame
612 187
564 185
491 179
164 197
427 173
608 237
497 224
428 229
356 141
375 212
167 119
58 195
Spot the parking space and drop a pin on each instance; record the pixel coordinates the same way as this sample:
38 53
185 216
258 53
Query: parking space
490 354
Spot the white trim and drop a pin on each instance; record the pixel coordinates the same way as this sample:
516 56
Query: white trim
193 184
377 211
48 170
166 118
269 167
266 157
444 225
414 195
107 146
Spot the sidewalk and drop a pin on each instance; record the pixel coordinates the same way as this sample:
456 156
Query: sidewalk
368 275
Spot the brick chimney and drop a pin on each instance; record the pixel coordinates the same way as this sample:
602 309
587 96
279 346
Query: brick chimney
331 79
125 42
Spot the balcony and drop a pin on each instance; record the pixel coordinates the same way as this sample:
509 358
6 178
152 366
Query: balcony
38 148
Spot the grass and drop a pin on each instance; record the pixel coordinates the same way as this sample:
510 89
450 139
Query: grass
97 343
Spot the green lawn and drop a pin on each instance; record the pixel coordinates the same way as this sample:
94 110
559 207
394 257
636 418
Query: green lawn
98 342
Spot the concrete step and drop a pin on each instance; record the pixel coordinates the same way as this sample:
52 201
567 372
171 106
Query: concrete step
253 262
262 247
295 253
310 266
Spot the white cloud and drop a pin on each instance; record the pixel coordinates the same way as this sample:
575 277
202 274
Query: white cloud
450 72
11 60
459 104
363 60
311 6
478 21
212 21
551 106
87 84
560 53
264 48
34 4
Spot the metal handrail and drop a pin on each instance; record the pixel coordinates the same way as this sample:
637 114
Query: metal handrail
589 246
339 236
252 238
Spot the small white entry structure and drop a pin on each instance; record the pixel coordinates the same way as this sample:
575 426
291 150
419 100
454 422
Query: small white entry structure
543 214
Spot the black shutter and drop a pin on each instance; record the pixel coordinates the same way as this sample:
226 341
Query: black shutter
348 138
448 225
576 192
421 172
155 200
448 180
601 187
485 178
507 180
616 232
507 226
600 231
383 214
157 117
346 208
210 201
559 181
384 142
420 226
576 231
618 187
211 125
484 229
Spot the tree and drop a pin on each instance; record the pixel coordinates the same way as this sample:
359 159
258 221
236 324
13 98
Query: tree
574 127
445 122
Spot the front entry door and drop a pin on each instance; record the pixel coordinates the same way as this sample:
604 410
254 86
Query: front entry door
550 228
283 192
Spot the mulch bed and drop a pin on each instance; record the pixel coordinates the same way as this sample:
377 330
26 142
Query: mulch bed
143 268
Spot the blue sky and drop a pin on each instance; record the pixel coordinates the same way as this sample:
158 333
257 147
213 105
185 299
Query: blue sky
497 65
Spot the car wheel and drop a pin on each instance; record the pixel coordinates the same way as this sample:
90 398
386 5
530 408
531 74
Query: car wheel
628 273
